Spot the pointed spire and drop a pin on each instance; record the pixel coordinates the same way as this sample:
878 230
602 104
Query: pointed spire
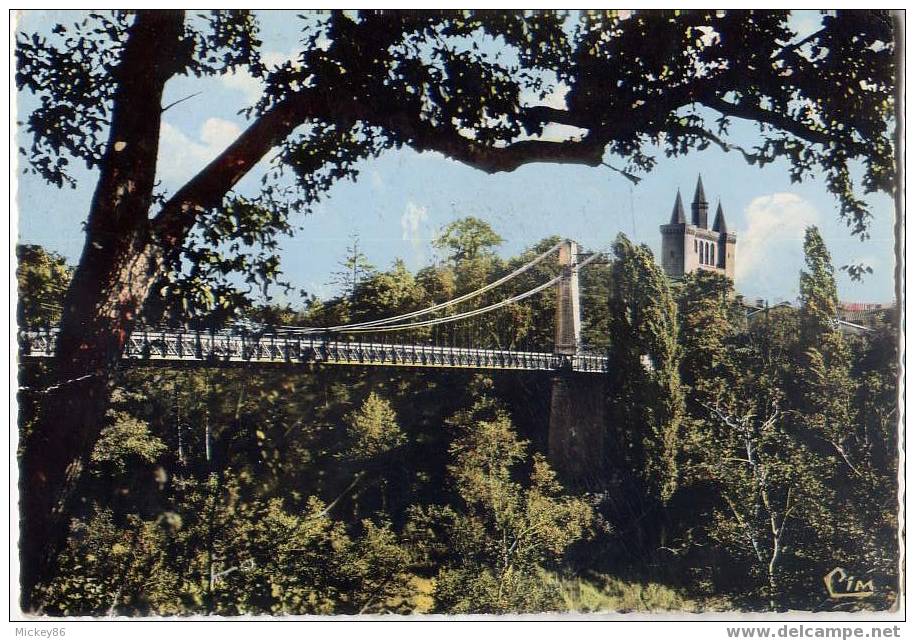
699 197
700 206
720 226
678 215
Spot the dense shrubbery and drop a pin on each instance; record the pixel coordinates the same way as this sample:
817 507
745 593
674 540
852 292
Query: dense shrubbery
745 460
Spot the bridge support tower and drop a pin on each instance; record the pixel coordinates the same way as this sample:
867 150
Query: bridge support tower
577 401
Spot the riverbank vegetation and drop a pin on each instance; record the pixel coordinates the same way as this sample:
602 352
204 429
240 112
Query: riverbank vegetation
742 460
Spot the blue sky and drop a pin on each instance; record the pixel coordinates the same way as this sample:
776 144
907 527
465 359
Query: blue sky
402 198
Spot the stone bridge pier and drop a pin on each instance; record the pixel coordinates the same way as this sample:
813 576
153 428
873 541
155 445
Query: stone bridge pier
577 402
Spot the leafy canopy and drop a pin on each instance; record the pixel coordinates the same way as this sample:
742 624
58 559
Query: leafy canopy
42 278
506 527
467 239
479 87
646 398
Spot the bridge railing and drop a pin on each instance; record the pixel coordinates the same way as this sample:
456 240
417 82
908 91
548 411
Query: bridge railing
227 347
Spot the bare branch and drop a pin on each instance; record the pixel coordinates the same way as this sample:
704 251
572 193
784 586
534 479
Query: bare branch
705 134
179 101
793 47
745 526
333 504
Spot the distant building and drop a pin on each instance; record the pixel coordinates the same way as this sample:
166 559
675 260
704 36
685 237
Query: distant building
868 315
688 246
852 319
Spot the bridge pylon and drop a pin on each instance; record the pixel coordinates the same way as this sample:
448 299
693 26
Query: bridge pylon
567 340
577 416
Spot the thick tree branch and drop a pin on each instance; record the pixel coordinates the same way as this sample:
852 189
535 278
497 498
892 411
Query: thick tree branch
209 186
793 47
749 112
587 151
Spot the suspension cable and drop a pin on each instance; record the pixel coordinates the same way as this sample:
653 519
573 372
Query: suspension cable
452 318
433 308
468 314
385 324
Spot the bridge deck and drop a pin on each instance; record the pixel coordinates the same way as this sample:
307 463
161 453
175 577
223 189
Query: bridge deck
227 347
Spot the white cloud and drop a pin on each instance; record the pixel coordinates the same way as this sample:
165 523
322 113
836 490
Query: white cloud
181 156
805 22
412 222
217 133
559 133
774 235
242 81
555 99
253 88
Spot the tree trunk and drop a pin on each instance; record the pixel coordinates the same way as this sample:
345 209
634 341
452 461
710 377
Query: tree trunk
770 573
118 267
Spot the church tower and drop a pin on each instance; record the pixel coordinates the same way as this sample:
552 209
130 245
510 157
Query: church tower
690 245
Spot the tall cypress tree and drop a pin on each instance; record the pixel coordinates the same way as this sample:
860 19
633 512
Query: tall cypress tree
819 297
825 387
836 410
709 318
646 400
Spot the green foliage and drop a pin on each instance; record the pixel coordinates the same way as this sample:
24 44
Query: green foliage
505 531
386 293
646 398
594 291
819 298
71 124
768 480
869 514
109 568
126 439
771 489
123 438
339 492
467 239
75 68
229 556
372 430
602 593
824 375
43 278
828 404
710 316
437 283
235 243
827 391
775 433
303 563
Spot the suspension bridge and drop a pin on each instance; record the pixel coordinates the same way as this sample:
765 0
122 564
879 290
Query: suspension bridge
358 343
576 416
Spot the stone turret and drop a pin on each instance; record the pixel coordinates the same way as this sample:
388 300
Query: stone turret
678 216
720 225
700 206
688 246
